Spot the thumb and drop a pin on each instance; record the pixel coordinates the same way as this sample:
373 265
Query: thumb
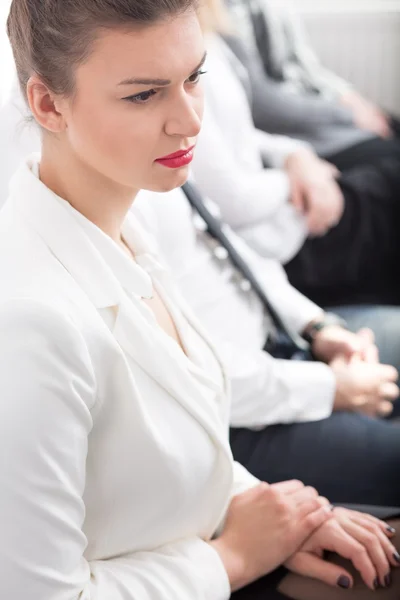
312 566
297 199
350 347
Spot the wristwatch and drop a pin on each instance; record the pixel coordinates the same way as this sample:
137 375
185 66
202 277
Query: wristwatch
327 320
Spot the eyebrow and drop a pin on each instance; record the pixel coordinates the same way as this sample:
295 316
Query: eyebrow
157 82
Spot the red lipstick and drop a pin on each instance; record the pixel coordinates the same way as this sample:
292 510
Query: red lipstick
177 159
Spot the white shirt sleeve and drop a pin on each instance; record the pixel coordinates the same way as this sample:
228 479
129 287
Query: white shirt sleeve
48 388
275 149
231 184
266 390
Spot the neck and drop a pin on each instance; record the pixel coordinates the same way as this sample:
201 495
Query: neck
99 199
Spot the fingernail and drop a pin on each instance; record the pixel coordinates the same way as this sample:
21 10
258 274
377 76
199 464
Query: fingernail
396 556
343 582
391 529
388 580
376 583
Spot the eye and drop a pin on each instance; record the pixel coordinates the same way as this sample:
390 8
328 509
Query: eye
195 77
141 98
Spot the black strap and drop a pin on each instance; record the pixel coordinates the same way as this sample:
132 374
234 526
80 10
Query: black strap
216 230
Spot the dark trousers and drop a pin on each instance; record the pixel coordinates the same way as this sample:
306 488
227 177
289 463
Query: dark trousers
357 262
348 458
367 153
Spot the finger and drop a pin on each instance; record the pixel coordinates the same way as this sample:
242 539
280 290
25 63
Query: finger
297 199
370 354
380 530
385 527
384 408
307 493
288 487
310 565
388 391
367 335
373 544
309 519
348 547
388 373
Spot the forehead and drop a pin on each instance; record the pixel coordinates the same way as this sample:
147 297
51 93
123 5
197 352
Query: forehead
169 49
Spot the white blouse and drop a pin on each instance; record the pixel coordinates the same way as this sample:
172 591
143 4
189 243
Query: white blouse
115 467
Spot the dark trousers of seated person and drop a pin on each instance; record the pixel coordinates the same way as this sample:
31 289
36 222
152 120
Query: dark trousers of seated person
368 152
356 262
348 458
281 585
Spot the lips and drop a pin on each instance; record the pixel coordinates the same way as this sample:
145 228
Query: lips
178 159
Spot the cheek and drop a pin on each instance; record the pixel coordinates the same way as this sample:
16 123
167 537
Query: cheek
113 137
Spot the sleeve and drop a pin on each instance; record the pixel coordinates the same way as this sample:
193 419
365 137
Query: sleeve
48 388
277 110
266 390
242 479
275 149
325 81
231 184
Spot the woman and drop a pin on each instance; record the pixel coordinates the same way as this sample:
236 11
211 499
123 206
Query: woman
117 481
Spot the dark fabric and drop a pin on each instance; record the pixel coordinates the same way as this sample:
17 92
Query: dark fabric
347 457
395 123
368 152
282 585
358 260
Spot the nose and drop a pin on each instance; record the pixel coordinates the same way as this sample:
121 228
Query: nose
185 115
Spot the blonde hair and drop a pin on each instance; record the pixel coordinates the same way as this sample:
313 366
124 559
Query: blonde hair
214 17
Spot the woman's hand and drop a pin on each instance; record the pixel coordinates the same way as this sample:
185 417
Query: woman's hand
265 526
358 537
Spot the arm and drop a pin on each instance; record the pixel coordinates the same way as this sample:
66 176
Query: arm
265 390
48 390
232 184
276 149
277 109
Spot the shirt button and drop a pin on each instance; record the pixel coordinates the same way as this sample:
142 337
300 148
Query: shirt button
221 253
245 285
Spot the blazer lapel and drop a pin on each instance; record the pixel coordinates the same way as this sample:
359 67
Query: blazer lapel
155 354
148 346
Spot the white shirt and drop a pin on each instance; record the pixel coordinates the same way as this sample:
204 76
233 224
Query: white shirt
228 167
265 390
115 467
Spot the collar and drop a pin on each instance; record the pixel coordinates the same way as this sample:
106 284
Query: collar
97 263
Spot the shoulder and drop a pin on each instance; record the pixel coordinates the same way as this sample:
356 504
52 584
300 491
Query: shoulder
33 321
40 348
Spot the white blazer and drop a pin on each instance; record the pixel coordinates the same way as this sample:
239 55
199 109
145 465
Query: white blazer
115 467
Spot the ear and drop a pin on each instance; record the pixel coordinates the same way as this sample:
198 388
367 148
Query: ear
43 105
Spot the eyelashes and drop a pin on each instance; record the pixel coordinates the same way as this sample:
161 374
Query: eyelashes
144 97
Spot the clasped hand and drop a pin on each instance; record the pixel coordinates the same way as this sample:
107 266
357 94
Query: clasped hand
362 383
288 523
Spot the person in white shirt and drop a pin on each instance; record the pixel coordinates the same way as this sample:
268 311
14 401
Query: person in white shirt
336 237
116 476
289 418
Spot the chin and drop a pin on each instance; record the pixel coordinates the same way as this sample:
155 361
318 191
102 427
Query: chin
173 180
